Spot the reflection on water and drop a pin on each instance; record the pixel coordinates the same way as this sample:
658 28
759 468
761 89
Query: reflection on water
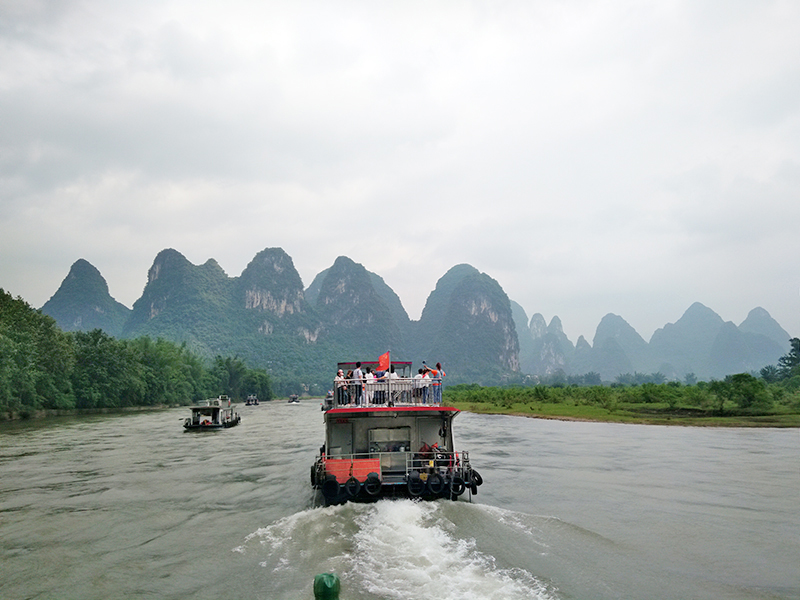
131 506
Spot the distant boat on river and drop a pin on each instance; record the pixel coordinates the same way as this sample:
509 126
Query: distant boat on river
216 414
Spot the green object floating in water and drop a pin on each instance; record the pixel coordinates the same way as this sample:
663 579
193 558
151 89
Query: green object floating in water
326 587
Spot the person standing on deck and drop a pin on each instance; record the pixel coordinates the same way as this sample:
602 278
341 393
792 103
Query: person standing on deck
437 375
341 388
358 384
418 387
369 386
426 383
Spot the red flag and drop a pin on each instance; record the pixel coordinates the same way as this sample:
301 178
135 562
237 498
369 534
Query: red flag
383 362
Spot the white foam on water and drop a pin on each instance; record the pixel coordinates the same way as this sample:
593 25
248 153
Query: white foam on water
408 550
396 549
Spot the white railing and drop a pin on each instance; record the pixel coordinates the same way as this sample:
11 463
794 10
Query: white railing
435 460
400 391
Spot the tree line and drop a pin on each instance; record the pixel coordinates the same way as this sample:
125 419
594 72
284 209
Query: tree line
43 367
776 390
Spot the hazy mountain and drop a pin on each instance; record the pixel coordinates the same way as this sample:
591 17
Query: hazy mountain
390 298
527 348
468 323
83 303
684 346
552 350
583 359
759 321
633 346
737 351
312 291
183 302
271 292
700 342
354 315
469 327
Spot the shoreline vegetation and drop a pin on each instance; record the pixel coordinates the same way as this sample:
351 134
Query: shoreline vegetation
656 417
738 401
633 414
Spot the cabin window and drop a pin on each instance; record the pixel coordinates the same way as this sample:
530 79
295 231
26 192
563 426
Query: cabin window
341 441
395 439
391 445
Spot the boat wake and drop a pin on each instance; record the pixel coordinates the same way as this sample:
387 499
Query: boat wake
401 549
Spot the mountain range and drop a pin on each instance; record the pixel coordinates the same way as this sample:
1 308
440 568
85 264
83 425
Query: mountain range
266 317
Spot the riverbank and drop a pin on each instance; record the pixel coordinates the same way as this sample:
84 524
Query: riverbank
27 415
635 414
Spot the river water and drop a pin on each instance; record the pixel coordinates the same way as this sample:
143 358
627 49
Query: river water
131 506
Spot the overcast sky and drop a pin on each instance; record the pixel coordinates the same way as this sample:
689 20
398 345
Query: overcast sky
592 157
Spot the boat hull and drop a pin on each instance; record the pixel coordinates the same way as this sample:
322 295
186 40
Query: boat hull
195 427
368 456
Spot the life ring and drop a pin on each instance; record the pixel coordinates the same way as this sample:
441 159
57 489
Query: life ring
435 484
330 488
457 486
352 486
476 478
415 484
373 484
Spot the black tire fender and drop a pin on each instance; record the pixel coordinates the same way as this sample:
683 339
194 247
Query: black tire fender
457 486
476 478
373 484
415 485
330 488
352 487
435 484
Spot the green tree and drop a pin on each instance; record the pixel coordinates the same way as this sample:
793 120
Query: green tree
770 374
743 389
35 359
107 373
789 365
749 391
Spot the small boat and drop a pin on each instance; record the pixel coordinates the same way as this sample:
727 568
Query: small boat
394 442
252 400
294 399
215 414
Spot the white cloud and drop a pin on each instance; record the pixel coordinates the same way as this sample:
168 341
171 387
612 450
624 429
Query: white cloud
592 157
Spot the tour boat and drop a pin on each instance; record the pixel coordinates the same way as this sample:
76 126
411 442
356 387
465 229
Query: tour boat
294 399
215 414
387 438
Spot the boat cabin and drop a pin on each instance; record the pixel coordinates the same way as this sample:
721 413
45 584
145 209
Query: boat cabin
215 414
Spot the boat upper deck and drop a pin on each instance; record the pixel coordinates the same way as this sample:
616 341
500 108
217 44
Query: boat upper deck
387 392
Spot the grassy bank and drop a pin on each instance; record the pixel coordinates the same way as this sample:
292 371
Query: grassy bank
716 405
642 414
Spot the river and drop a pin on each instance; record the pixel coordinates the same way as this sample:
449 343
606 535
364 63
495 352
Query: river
131 506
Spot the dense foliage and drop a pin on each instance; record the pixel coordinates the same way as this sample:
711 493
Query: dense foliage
42 367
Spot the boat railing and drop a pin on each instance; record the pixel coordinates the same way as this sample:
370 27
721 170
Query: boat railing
398 391
402 462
